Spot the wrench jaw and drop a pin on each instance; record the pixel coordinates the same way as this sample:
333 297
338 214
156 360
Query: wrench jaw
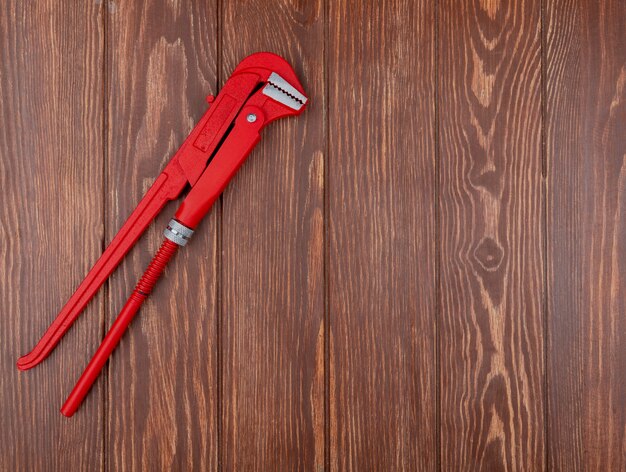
255 72
283 92
278 98
274 70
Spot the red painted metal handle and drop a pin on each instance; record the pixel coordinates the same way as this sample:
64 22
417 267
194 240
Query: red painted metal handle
111 340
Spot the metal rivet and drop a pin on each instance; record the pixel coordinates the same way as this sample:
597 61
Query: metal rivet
251 118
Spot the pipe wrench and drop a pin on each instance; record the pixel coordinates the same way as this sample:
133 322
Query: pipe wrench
262 88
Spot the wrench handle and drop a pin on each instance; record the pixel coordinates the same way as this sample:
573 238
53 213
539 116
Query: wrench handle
112 338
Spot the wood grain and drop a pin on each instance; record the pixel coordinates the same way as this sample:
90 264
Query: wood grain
424 271
50 226
491 227
272 331
381 235
162 382
586 156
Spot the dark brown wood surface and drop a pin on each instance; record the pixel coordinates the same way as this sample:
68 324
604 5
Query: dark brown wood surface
161 405
381 236
424 271
491 227
586 180
271 327
51 189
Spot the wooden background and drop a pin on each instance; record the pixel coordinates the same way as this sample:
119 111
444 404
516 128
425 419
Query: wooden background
425 271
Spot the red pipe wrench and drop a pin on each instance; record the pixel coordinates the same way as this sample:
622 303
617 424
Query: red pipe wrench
262 88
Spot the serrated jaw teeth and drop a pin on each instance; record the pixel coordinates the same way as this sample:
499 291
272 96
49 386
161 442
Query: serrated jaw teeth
282 91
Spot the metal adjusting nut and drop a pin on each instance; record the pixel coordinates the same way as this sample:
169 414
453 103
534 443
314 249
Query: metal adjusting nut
177 233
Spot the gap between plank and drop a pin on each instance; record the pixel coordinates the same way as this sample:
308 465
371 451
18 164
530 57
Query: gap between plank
326 254
437 197
219 269
544 242
105 180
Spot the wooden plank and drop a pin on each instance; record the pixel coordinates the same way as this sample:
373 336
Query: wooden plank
272 258
586 155
492 232
382 248
50 225
162 383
